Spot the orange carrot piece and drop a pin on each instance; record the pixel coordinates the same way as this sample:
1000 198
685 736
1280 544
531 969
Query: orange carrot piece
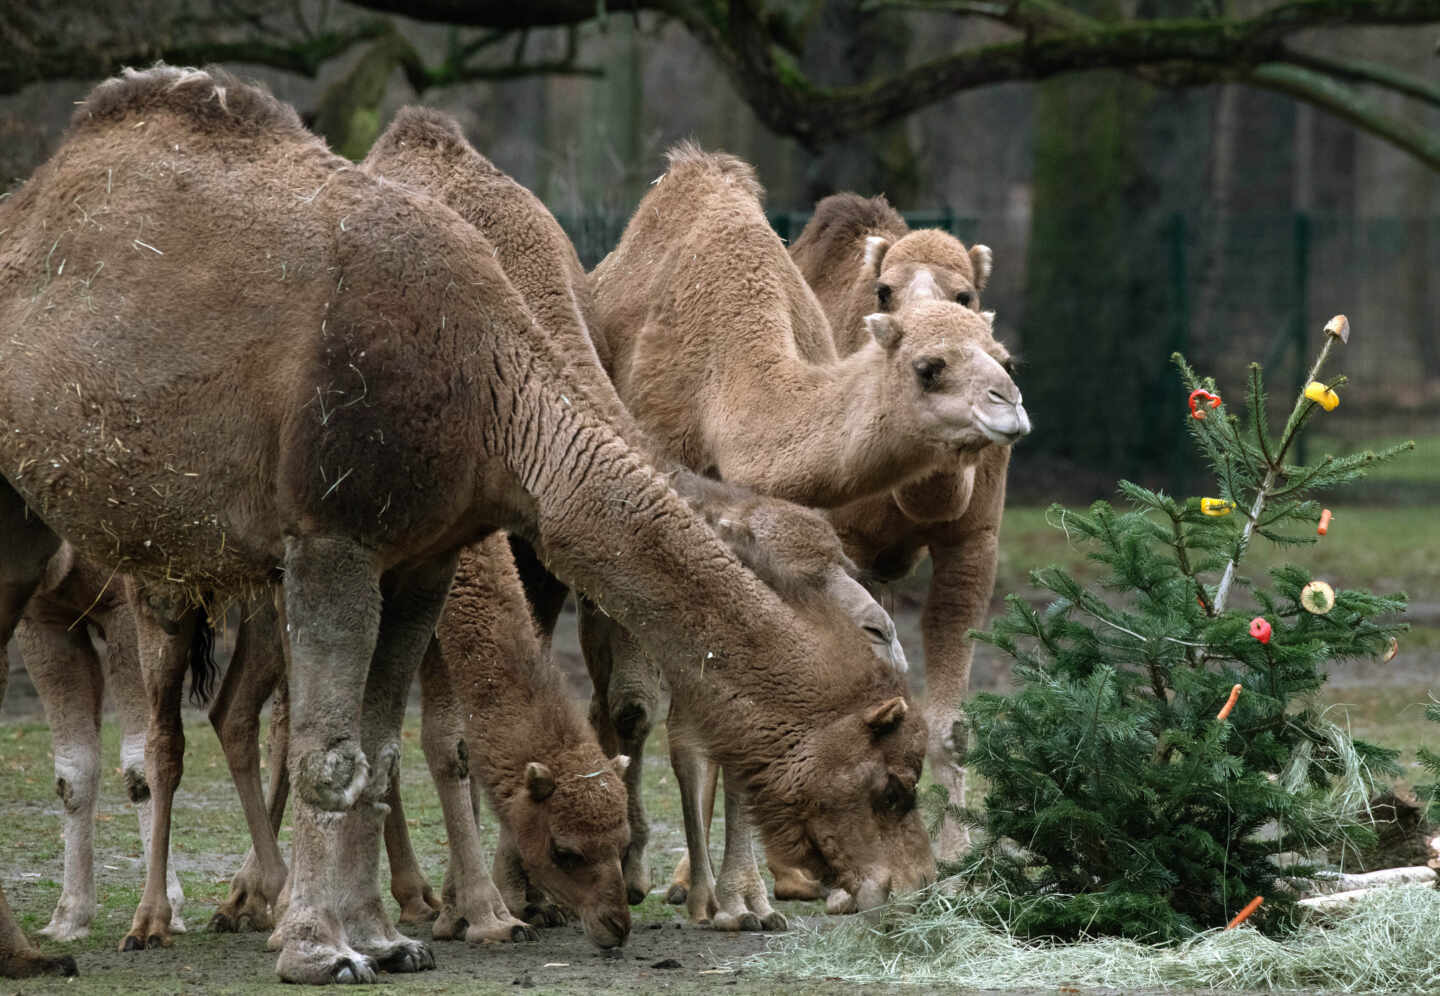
1324 526
1244 914
1229 703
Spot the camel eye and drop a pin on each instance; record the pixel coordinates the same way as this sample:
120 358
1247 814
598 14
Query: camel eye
882 293
897 798
964 297
565 858
928 372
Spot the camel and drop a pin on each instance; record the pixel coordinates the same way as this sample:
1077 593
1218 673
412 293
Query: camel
859 256
54 636
724 355
370 399
848 254
426 150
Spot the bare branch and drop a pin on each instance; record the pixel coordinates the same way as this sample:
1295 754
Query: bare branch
1359 71
1338 99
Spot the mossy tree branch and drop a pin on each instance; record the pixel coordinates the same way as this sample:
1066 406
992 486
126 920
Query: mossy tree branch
755 46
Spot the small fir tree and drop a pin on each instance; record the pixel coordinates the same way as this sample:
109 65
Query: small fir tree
1118 802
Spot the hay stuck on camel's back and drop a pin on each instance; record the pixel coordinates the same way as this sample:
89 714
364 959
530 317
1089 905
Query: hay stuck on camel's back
1387 942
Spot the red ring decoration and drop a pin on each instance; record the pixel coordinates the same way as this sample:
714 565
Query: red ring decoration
1200 394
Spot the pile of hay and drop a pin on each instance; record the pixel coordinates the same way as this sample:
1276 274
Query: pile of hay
1387 942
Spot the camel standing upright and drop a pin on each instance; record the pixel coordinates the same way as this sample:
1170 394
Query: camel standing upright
369 399
859 255
725 357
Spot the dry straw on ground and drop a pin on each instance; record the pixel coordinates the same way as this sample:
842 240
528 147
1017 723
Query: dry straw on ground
1388 942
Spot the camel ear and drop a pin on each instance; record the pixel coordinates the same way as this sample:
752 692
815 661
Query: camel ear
621 764
538 781
884 327
886 716
875 249
981 260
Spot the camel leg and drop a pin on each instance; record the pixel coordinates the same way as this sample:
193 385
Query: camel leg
740 892
411 609
164 634
256 668
628 693
333 610
688 762
127 691
472 906
67 675
408 885
679 888
28 545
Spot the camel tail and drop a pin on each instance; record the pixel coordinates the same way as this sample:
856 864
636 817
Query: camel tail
202 660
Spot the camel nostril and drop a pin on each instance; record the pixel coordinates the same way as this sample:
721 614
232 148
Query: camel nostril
997 398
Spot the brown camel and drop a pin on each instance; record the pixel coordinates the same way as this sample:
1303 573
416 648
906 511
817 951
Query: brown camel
848 253
54 636
427 150
723 354
858 256
369 399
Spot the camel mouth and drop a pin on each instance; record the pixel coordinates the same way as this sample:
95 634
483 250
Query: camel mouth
1009 428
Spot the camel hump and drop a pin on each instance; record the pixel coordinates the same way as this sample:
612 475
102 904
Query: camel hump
687 158
426 129
843 219
210 99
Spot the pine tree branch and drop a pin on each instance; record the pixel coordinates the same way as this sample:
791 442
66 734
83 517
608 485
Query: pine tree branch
1303 406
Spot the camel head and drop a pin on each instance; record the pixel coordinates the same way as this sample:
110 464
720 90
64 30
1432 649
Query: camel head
845 805
570 827
948 375
926 264
796 552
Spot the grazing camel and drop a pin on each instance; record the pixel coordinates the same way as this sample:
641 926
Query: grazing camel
858 254
426 150
723 355
54 636
372 397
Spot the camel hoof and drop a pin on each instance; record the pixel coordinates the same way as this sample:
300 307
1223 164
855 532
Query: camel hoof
131 943
65 932
775 920
840 903
27 966
353 972
546 915
677 895
410 957
417 913
799 887
221 923
523 932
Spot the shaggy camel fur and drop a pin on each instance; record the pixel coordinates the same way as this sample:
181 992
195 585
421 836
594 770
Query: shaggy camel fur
370 399
426 150
54 636
848 252
723 353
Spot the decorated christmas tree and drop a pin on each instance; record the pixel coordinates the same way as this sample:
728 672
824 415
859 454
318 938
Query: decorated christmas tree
1163 759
